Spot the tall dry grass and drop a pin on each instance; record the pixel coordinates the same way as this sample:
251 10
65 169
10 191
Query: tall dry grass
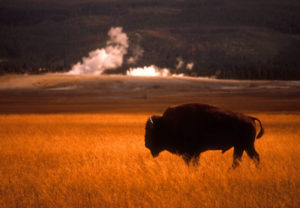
99 160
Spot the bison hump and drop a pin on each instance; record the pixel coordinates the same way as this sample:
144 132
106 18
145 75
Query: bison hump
187 109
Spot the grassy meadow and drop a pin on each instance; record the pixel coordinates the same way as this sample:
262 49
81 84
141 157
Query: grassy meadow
99 160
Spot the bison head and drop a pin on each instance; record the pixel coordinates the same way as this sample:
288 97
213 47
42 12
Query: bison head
153 135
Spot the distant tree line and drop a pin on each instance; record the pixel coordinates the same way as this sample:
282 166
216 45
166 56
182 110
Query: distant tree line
234 39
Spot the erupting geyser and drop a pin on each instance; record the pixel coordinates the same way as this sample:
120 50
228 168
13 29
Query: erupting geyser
150 71
109 57
112 57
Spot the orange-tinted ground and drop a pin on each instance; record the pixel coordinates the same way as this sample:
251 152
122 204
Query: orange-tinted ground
72 141
56 93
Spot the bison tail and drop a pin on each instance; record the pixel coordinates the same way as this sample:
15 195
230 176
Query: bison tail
261 132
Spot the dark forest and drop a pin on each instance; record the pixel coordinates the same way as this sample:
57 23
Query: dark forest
248 39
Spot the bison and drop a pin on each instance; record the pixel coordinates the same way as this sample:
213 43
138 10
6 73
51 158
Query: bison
190 129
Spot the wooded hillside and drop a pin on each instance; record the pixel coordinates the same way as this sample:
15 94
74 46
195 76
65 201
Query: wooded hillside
249 39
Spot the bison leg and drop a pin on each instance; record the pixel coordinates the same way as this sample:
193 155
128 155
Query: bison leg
237 156
191 158
195 160
251 152
187 158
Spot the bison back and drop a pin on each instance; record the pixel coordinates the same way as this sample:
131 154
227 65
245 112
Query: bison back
207 127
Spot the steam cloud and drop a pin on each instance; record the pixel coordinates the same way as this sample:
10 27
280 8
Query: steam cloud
112 57
148 71
109 57
180 64
137 53
190 66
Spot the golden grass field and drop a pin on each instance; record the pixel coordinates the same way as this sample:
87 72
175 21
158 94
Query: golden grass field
69 159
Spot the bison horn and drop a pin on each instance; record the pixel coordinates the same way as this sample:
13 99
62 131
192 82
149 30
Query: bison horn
151 120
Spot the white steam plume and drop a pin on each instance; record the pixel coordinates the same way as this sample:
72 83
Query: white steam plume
109 57
148 71
137 53
190 65
180 63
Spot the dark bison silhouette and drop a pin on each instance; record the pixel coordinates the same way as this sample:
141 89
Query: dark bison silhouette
190 129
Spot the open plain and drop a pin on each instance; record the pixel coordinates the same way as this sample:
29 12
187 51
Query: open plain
78 141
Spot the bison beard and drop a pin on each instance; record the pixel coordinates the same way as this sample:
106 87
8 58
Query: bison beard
190 129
